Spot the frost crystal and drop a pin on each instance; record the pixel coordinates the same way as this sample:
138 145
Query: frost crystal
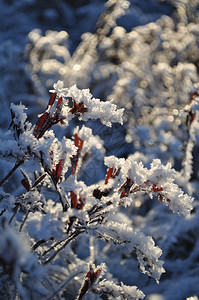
54 204
117 292
147 253
90 107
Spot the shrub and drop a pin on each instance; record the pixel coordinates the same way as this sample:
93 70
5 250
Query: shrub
57 233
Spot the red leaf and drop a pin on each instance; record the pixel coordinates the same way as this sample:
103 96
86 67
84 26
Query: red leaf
89 280
52 99
59 167
74 108
121 188
25 184
81 144
93 275
97 272
123 194
82 109
56 174
78 204
40 123
157 189
76 139
126 186
109 173
73 199
59 101
194 95
78 108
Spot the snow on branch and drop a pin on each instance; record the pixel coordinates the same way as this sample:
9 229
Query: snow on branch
159 181
192 122
87 107
58 207
92 276
115 291
147 253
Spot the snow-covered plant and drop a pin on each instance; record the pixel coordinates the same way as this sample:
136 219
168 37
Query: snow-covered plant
56 231
149 70
192 118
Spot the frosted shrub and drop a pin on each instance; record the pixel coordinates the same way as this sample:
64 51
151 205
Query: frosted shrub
149 70
56 231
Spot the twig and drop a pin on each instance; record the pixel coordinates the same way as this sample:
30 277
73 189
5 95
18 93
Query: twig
53 246
15 212
38 243
74 235
16 166
24 220
64 205
62 285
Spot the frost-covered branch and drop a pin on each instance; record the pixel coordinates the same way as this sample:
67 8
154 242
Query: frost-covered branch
115 291
58 212
191 112
147 253
16 166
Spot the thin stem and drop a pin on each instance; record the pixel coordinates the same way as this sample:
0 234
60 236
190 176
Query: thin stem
38 243
53 246
24 220
64 206
16 166
63 284
15 212
75 234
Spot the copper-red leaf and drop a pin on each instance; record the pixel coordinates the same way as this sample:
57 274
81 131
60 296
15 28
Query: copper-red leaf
40 123
109 173
59 101
59 167
76 139
81 144
73 199
25 184
52 99
157 189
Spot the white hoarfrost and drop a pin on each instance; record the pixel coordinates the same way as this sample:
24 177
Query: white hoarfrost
58 207
20 116
147 253
118 292
96 109
158 180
